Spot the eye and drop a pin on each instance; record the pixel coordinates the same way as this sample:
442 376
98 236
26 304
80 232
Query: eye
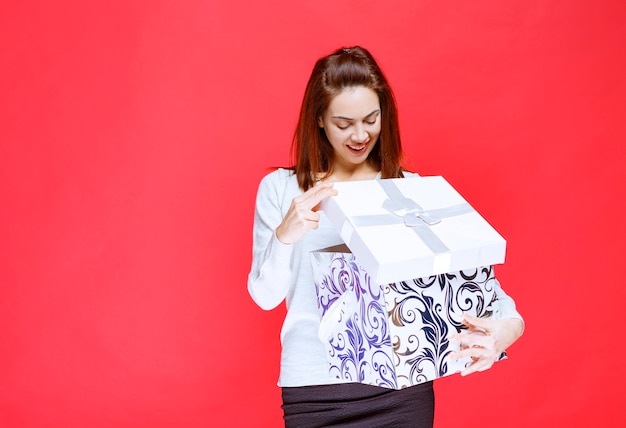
371 120
343 127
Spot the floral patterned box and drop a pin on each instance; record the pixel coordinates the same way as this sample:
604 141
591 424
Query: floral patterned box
394 335
411 228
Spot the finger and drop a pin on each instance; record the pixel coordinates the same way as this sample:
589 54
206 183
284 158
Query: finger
320 186
479 365
473 340
456 341
315 189
306 221
468 352
310 200
466 336
311 217
318 197
456 337
296 225
472 321
481 340
478 352
474 345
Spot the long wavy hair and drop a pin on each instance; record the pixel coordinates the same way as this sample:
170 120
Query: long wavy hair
311 152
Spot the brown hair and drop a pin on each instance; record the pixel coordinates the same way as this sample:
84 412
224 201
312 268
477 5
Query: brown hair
311 151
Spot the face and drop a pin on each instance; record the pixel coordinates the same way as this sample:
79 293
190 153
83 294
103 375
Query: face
352 125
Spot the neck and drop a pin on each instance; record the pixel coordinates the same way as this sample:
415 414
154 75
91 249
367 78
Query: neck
363 171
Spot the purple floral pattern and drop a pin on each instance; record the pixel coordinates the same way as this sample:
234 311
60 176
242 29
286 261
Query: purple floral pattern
358 342
394 335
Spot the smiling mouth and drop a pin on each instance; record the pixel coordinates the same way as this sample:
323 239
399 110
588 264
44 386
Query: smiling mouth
358 147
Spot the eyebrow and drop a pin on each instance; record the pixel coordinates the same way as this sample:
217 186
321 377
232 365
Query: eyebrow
349 118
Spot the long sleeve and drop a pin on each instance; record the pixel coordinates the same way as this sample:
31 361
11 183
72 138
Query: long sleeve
506 307
270 276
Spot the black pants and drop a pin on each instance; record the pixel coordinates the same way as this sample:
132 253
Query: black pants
359 406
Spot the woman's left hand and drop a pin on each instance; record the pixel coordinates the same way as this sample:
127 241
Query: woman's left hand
485 340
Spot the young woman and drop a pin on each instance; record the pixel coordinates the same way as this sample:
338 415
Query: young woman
347 130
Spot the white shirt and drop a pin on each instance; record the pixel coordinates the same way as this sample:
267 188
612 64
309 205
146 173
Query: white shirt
280 271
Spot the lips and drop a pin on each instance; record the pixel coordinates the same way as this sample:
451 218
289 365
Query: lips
358 147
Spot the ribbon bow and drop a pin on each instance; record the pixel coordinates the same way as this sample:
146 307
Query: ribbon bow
412 215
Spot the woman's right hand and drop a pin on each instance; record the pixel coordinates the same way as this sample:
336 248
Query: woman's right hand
303 214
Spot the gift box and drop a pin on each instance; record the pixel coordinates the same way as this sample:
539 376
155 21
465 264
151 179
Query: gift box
411 228
394 335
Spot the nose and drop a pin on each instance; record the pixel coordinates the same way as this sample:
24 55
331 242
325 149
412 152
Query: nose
360 135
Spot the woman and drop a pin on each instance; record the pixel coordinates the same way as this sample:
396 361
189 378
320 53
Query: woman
347 130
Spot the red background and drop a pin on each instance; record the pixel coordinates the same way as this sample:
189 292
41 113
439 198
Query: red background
133 136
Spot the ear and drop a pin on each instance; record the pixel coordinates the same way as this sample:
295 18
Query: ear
320 122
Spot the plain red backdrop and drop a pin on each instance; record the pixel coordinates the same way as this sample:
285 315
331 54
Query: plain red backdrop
133 136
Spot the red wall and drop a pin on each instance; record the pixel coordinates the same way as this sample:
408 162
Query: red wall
132 139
